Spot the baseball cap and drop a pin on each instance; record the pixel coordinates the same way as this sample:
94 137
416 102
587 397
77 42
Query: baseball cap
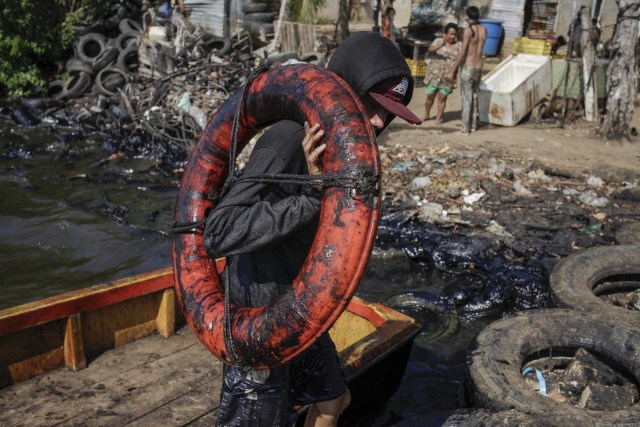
390 93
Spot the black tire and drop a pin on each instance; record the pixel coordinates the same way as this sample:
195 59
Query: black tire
96 27
108 56
503 348
255 8
55 89
36 103
315 58
576 280
90 46
109 80
437 320
629 234
22 115
221 46
259 17
77 85
127 39
75 65
111 23
127 25
128 60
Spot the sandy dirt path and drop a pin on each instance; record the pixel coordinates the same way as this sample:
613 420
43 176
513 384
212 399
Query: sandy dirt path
576 147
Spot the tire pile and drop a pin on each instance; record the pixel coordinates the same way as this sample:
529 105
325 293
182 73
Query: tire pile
258 18
142 83
150 79
574 365
104 61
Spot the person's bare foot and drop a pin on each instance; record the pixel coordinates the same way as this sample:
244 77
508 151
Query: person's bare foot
462 133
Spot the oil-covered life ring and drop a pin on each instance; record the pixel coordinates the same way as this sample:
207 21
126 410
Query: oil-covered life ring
274 334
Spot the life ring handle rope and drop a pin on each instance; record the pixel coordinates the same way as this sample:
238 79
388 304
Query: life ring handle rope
275 334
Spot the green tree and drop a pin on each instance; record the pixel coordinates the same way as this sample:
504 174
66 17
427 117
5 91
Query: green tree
29 44
304 10
36 37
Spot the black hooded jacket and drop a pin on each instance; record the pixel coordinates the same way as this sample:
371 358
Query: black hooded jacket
266 230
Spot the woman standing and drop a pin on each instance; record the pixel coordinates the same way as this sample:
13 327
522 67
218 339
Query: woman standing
441 54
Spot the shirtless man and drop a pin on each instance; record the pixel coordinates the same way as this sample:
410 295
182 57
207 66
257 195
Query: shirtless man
470 58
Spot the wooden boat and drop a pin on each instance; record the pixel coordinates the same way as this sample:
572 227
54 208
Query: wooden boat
63 360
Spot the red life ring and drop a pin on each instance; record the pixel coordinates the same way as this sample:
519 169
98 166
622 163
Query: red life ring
274 334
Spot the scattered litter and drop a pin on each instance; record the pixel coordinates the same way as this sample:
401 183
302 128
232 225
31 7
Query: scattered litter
404 167
539 174
420 182
431 212
590 198
542 384
472 198
594 181
520 189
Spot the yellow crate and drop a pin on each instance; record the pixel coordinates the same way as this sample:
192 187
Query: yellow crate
531 46
418 68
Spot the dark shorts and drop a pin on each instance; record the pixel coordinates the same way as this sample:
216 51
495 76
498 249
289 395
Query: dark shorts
267 398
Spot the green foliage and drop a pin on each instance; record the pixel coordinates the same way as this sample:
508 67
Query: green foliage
29 44
36 37
82 12
304 10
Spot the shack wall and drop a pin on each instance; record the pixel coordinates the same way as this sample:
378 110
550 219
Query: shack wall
566 13
207 14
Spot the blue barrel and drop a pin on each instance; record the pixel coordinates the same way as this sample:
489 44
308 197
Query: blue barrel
494 32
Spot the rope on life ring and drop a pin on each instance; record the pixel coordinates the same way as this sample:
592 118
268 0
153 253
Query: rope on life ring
272 335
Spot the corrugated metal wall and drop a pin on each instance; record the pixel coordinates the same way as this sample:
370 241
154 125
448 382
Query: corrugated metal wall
511 13
207 14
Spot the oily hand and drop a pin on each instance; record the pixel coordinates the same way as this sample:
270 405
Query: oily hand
312 148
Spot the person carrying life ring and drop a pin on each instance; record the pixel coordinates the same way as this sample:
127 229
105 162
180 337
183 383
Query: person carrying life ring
265 231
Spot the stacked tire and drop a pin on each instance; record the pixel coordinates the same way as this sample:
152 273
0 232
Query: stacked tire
105 62
581 284
258 18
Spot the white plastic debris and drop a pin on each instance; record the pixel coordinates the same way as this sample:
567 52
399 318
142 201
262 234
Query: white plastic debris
539 174
590 198
594 181
472 198
520 189
420 182
431 212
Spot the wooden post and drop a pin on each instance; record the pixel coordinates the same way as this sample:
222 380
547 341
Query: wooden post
588 62
166 320
74 357
621 73
275 44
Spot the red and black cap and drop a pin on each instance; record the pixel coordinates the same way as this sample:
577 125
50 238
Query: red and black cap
390 93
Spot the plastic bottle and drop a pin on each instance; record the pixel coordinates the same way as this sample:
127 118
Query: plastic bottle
198 115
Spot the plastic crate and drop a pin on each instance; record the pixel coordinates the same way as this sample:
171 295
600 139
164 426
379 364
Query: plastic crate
531 46
418 68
